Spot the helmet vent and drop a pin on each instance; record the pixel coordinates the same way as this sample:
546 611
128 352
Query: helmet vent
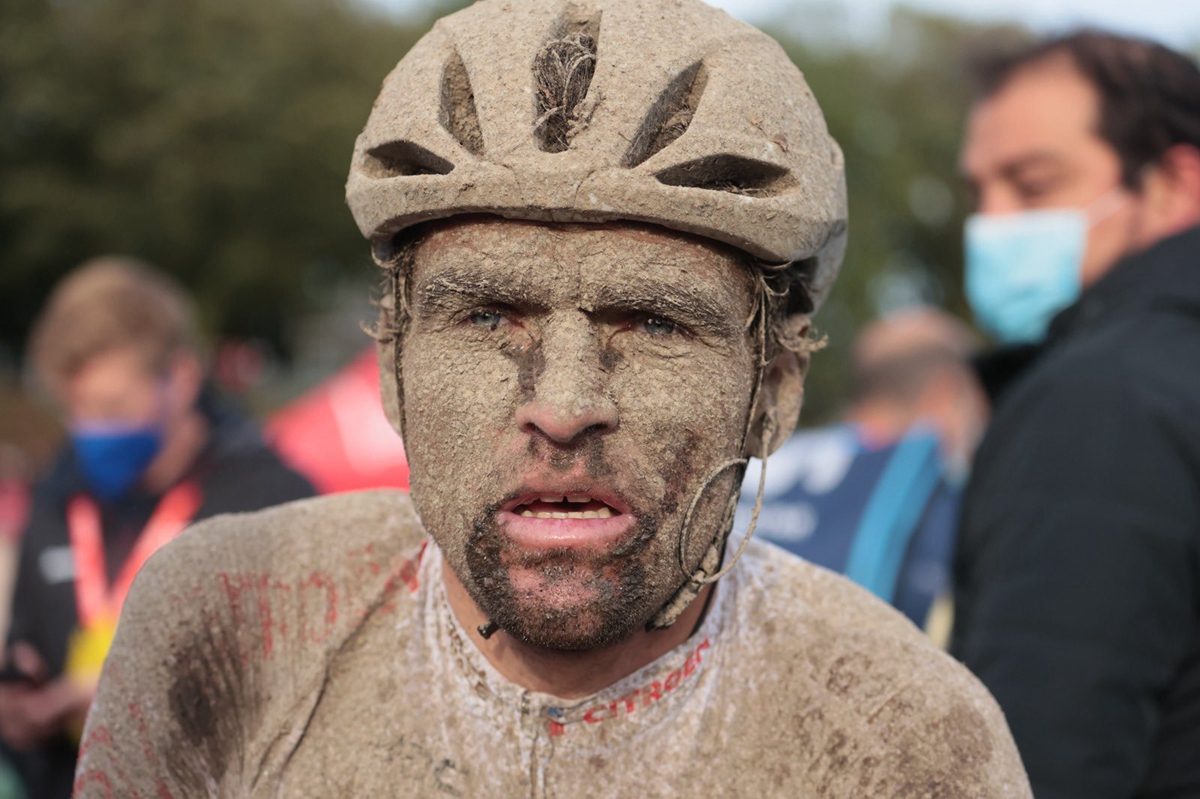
670 115
403 159
730 173
458 115
562 72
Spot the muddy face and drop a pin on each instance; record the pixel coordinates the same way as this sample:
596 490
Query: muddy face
567 389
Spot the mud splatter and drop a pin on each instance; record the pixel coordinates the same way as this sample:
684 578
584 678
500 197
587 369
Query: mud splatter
208 701
531 363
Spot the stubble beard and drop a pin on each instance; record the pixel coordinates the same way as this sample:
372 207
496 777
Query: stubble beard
624 592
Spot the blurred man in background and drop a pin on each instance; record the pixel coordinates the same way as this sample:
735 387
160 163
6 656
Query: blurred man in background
1078 572
877 497
150 451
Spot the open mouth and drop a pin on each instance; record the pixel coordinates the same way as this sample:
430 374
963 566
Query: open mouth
568 506
543 521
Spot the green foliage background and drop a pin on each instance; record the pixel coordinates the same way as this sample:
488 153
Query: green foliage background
212 138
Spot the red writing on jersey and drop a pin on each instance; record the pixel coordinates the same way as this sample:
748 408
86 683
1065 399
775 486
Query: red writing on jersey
307 608
630 703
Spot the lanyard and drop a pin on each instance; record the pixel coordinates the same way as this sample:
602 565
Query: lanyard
95 600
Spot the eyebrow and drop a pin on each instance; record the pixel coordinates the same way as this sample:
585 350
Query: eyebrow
694 308
1011 171
1016 165
1012 168
455 286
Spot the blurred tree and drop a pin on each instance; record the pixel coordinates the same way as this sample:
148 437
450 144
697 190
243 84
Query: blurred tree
210 137
897 108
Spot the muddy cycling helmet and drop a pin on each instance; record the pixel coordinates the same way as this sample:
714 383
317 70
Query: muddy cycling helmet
669 112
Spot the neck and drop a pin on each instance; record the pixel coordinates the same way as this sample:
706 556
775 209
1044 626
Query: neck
180 450
568 675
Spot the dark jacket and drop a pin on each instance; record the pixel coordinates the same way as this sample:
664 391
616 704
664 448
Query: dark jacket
236 472
1078 568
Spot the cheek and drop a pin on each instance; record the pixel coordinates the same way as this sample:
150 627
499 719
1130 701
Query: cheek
456 406
678 422
703 396
685 421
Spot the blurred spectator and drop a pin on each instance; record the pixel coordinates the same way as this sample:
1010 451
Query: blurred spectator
1078 574
913 368
877 497
338 435
151 449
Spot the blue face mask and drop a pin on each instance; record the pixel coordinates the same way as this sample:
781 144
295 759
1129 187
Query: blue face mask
113 460
1022 269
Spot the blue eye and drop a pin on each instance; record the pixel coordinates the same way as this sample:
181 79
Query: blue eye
488 319
656 326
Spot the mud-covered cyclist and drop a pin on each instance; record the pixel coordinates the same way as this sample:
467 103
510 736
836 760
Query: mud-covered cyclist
605 227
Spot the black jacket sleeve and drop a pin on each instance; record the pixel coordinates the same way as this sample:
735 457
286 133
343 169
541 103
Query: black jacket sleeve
1077 570
21 625
38 613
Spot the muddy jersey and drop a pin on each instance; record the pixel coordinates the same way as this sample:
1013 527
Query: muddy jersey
310 651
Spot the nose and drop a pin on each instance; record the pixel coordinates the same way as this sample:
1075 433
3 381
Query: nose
568 398
997 200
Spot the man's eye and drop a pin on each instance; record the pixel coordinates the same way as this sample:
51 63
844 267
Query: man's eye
486 319
657 326
1032 192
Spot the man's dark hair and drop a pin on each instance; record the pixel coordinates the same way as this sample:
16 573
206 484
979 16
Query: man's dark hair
1149 94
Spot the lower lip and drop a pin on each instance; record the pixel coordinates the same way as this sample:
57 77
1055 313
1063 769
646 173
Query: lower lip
547 534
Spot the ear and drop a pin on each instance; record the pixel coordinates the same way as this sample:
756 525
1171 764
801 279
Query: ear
389 384
387 341
782 393
1173 186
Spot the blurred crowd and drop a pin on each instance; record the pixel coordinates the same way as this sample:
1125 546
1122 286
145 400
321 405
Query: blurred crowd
1030 496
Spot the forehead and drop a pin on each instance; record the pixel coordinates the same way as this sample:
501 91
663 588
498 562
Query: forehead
1047 108
577 261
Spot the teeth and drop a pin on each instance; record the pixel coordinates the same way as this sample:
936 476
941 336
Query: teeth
604 513
552 498
579 498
